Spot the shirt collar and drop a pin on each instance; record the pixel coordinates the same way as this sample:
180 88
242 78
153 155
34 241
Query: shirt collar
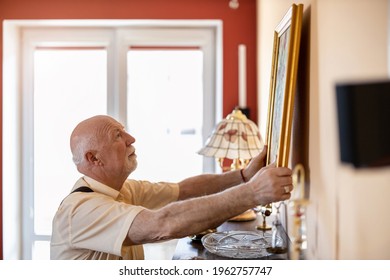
99 187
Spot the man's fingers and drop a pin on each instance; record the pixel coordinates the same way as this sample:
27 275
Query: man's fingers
264 151
280 171
283 171
272 165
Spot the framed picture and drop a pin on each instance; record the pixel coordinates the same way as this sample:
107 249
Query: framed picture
282 88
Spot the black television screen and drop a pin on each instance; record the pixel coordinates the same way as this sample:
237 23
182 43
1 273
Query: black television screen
364 123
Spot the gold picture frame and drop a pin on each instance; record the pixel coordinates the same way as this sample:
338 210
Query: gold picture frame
285 55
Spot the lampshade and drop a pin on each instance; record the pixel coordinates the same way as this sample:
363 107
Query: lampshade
235 137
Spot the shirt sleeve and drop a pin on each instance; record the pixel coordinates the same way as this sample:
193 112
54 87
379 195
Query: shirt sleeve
100 224
152 195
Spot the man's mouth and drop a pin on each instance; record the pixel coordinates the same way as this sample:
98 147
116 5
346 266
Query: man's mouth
132 153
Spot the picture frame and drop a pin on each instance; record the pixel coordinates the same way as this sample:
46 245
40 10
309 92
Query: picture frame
285 55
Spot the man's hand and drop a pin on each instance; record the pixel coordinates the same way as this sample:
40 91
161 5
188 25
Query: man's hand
272 184
255 164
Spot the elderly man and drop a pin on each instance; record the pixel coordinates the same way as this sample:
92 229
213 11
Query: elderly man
108 216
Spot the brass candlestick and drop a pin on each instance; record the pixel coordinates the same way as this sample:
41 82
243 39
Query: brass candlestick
265 211
298 206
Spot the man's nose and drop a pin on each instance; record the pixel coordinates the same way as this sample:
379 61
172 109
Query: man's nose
130 140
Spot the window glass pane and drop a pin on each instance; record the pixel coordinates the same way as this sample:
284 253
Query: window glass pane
41 250
165 112
69 86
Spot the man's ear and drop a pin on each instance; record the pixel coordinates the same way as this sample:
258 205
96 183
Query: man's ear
91 158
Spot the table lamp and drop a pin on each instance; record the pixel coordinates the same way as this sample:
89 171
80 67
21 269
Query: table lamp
236 138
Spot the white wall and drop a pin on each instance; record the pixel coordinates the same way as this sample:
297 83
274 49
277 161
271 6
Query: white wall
348 41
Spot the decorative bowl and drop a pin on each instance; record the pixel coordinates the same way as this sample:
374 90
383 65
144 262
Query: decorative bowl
238 244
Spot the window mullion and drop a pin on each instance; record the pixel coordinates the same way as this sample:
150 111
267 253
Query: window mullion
27 188
121 76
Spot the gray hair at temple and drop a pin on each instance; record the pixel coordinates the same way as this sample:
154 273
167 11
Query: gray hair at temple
82 140
80 147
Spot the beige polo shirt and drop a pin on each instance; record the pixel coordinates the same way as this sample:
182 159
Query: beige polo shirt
94 225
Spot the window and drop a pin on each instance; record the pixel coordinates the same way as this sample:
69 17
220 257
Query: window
69 85
74 71
172 119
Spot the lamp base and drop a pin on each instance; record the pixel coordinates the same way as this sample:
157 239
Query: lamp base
264 226
248 215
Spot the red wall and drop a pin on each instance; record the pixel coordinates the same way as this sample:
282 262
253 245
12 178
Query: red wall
239 27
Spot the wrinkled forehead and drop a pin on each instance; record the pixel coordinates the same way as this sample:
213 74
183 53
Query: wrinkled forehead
93 132
97 127
107 127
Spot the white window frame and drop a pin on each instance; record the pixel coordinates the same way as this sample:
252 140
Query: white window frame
22 37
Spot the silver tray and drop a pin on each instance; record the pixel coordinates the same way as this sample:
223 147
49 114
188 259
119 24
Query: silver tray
238 244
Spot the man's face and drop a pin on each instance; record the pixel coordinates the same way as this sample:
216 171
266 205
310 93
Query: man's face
116 151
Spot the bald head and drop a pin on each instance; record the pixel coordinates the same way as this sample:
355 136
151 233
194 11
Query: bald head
103 150
86 137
